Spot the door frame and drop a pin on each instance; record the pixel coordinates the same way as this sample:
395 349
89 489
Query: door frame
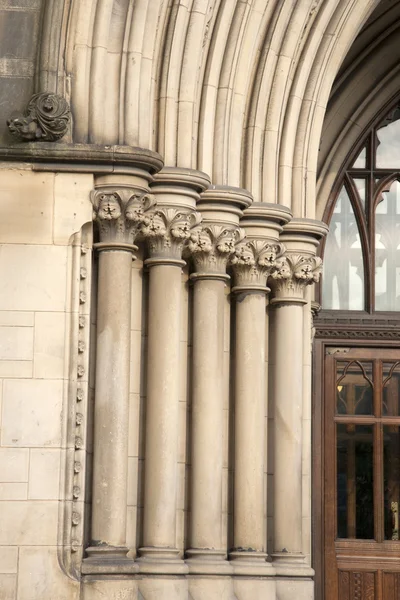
343 330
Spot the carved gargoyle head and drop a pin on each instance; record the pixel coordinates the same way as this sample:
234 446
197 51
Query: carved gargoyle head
24 127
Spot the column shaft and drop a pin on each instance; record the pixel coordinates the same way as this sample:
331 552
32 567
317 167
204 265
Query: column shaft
249 528
162 406
207 413
288 397
112 398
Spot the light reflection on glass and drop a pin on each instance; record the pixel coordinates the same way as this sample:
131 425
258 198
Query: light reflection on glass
387 250
388 142
361 185
361 160
343 280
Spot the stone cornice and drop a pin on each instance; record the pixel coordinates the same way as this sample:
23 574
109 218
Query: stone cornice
84 158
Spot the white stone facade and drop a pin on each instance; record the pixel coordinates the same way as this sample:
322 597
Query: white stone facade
155 413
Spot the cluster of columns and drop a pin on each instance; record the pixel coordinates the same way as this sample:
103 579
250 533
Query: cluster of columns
180 217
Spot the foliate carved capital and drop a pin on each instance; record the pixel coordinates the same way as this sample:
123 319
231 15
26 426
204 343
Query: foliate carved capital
168 230
254 261
211 246
294 272
121 215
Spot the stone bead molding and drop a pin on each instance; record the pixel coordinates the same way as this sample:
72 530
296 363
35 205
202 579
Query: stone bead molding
168 230
211 246
121 215
293 273
254 261
45 119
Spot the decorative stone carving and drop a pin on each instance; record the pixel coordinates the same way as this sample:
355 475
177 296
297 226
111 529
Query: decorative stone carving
120 214
254 260
45 119
294 272
168 230
211 246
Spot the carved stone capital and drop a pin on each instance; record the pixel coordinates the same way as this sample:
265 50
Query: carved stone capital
168 230
294 272
253 262
45 119
121 214
211 246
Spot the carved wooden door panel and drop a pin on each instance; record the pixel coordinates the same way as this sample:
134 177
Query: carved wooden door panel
362 474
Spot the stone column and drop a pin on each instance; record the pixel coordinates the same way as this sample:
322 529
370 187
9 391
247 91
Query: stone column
299 268
121 205
254 260
221 208
175 219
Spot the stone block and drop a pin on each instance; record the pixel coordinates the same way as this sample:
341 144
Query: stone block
117 589
16 343
49 345
288 588
40 576
16 368
27 200
44 474
15 318
13 491
8 587
14 465
211 588
32 523
8 559
38 404
33 277
72 206
255 589
163 588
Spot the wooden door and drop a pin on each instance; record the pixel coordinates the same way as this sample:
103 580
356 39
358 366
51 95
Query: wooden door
362 474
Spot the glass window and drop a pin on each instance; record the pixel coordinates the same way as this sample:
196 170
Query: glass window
362 250
355 481
387 250
343 286
388 142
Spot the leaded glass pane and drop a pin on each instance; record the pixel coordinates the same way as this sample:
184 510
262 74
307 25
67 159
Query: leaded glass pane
387 250
388 142
343 281
361 160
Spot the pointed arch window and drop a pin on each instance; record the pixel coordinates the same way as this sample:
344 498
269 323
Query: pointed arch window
362 249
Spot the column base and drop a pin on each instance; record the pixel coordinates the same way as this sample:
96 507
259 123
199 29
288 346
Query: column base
161 561
108 560
291 564
208 562
251 563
